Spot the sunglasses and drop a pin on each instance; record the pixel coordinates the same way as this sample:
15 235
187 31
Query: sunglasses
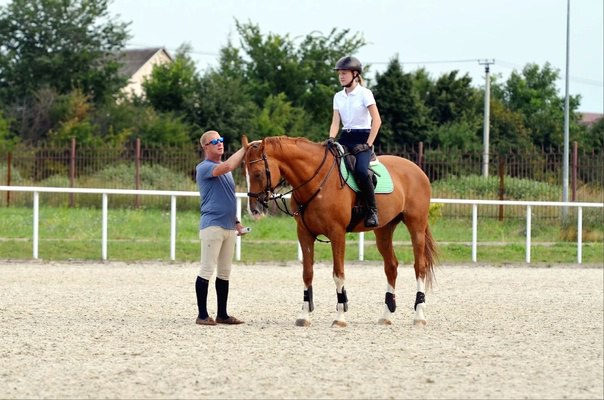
215 141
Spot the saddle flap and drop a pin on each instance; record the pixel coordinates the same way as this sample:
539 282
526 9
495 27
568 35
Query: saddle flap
377 169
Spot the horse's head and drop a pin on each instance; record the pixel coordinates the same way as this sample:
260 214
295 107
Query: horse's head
260 173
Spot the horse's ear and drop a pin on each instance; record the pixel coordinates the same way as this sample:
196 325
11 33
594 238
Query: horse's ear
244 142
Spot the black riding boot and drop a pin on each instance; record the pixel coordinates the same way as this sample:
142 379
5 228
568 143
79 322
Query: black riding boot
222 295
371 213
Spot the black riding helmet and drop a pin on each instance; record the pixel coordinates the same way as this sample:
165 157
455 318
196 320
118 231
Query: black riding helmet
350 64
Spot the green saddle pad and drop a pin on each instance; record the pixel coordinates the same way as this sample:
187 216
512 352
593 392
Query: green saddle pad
384 180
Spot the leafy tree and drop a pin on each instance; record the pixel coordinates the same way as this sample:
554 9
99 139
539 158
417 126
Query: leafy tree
279 117
274 64
224 100
423 84
593 138
174 87
453 99
33 115
317 56
507 131
405 118
59 44
72 113
7 140
459 135
534 95
157 128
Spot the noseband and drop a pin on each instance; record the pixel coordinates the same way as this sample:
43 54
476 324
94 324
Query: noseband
265 196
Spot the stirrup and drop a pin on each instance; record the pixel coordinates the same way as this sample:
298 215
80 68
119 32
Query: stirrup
371 219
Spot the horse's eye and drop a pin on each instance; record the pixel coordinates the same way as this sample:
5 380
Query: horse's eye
257 175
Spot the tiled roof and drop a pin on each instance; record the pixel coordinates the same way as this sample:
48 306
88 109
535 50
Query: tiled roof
132 60
588 118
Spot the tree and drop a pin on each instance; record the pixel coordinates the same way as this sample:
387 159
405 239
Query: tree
59 44
279 117
533 94
593 138
225 104
72 112
405 118
174 87
274 64
7 140
453 99
507 131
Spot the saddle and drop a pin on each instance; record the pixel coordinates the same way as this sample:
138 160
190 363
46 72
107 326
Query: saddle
382 181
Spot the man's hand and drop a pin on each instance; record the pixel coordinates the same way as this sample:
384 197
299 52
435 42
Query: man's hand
330 142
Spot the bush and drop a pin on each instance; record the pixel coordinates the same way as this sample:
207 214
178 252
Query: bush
478 187
15 179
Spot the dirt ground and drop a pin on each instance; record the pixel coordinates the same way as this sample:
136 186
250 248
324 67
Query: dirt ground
116 330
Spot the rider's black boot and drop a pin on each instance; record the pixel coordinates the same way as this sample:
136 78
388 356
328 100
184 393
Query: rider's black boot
371 213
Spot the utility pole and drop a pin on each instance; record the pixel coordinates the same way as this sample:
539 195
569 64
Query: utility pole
566 120
486 123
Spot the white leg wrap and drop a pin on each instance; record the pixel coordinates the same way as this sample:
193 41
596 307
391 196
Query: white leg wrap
340 315
420 317
419 312
421 285
305 314
387 315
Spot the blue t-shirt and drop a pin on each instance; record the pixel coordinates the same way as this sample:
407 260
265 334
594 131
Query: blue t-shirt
218 200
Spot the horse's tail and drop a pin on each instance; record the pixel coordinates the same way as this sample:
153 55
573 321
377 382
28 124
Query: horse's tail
430 256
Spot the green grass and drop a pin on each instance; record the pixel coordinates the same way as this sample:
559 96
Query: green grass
144 235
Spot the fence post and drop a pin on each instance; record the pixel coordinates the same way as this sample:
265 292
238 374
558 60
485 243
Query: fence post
8 176
501 170
137 178
574 173
72 171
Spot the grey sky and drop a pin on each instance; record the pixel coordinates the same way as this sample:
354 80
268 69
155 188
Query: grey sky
440 35
421 32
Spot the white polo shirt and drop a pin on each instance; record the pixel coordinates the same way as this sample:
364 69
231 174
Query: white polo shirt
353 107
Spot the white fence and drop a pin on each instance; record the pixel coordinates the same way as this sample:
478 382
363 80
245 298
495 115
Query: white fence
174 194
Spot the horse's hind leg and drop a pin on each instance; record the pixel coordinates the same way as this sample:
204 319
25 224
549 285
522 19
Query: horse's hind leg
417 231
383 238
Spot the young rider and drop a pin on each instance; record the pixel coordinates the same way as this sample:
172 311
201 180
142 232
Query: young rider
355 108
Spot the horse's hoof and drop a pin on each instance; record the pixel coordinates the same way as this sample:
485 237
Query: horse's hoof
419 322
339 324
302 322
384 321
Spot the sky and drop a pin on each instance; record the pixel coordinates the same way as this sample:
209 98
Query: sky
439 35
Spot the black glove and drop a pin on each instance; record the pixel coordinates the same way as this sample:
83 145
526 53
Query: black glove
330 142
359 148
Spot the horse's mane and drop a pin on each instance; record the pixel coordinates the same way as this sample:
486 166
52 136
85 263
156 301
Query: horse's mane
295 140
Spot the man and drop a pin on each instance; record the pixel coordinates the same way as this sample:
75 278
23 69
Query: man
218 226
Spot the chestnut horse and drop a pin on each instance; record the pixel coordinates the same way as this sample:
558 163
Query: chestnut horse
323 205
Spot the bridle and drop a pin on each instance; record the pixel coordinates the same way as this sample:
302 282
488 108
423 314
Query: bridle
268 194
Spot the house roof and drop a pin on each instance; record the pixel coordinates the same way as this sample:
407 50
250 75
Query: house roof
589 119
132 60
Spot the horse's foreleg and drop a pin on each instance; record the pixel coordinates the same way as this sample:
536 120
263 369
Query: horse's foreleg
338 251
307 243
384 244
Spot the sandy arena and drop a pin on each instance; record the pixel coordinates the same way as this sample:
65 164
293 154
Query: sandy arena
116 330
